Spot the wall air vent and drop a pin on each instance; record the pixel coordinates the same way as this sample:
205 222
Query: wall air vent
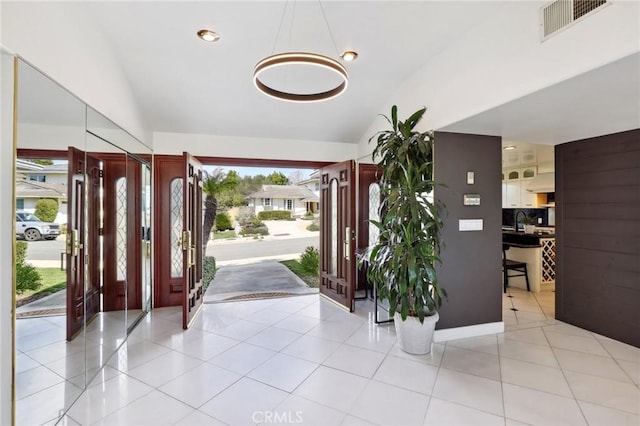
560 14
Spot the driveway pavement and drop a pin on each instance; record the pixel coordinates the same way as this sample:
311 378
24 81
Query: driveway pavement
255 276
263 279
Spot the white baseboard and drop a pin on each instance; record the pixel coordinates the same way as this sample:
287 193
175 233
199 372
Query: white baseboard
468 331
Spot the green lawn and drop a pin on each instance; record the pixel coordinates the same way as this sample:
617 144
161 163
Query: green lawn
224 235
296 268
53 280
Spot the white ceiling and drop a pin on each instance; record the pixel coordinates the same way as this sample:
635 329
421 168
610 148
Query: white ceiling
602 101
185 85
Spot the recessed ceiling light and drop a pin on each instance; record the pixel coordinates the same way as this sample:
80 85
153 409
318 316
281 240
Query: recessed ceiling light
208 35
509 147
349 55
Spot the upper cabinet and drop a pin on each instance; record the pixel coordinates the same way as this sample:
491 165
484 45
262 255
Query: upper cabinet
514 188
520 166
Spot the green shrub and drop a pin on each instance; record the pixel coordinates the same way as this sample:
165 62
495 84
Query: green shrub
27 278
251 225
313 227
254 230
208 271
308 216
223 221
310 261
46 209
21 252
274 215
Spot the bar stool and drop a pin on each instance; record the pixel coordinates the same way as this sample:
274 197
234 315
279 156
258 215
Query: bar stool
512 265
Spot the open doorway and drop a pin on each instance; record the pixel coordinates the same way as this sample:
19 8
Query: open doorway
528 232
264 237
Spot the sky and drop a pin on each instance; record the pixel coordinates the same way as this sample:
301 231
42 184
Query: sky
247 171
252 171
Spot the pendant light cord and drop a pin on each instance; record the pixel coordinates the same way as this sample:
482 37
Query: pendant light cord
275 42
333 40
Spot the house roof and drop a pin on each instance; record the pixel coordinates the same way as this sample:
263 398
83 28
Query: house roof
285 191
31 189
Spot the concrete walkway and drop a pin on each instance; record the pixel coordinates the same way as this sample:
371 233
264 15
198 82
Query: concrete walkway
264 278
54 304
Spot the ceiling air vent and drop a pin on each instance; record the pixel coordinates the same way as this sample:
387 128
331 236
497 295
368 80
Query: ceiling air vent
559 14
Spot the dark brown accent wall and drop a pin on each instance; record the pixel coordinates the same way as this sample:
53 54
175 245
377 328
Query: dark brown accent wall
471 260
598 235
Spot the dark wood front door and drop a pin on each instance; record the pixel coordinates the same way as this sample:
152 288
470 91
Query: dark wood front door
123 234
83 244
178 234
337 231
192 240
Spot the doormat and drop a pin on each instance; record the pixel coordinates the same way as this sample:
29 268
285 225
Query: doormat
42 313
250 296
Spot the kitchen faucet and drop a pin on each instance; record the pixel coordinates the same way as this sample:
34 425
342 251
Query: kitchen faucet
515 225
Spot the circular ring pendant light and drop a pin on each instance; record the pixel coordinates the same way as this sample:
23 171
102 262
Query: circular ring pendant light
300 58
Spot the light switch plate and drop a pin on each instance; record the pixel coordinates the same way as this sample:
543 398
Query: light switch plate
470 224
471 178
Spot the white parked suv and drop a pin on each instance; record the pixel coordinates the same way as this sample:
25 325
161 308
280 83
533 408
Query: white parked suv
31 228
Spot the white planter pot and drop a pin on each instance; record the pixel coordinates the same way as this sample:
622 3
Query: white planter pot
529 229
413 337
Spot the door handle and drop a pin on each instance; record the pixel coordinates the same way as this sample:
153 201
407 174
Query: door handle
72 244
347 242
191 256
185 243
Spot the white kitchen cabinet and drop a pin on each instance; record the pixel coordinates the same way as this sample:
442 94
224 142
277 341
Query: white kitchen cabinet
528 173
528 200
512 193
514 188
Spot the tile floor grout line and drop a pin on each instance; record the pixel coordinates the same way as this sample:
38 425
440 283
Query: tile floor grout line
562 370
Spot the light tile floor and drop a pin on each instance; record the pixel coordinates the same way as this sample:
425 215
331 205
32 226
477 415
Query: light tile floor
318 365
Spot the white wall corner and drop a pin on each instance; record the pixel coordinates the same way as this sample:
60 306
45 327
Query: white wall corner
83 60
503 59
7 223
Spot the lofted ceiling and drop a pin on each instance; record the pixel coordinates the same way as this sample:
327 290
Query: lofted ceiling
185 85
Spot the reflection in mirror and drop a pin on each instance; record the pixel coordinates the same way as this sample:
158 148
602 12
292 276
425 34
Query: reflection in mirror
100 179
145 211
50 371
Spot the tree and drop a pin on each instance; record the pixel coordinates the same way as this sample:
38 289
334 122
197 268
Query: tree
213 184
296 177
42 161
277 178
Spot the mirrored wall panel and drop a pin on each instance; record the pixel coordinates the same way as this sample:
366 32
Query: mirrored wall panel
83 220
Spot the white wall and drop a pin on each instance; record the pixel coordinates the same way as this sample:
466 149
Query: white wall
244 147
503 59
52 35
7 223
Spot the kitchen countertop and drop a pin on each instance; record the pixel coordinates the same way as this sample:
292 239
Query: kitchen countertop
520 245
522 240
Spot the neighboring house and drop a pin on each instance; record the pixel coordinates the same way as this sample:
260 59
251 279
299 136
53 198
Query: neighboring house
312 182
34 182
297 199
54 173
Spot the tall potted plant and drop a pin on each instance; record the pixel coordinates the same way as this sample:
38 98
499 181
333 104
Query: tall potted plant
402 263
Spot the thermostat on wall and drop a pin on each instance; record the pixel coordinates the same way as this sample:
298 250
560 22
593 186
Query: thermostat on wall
471 199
